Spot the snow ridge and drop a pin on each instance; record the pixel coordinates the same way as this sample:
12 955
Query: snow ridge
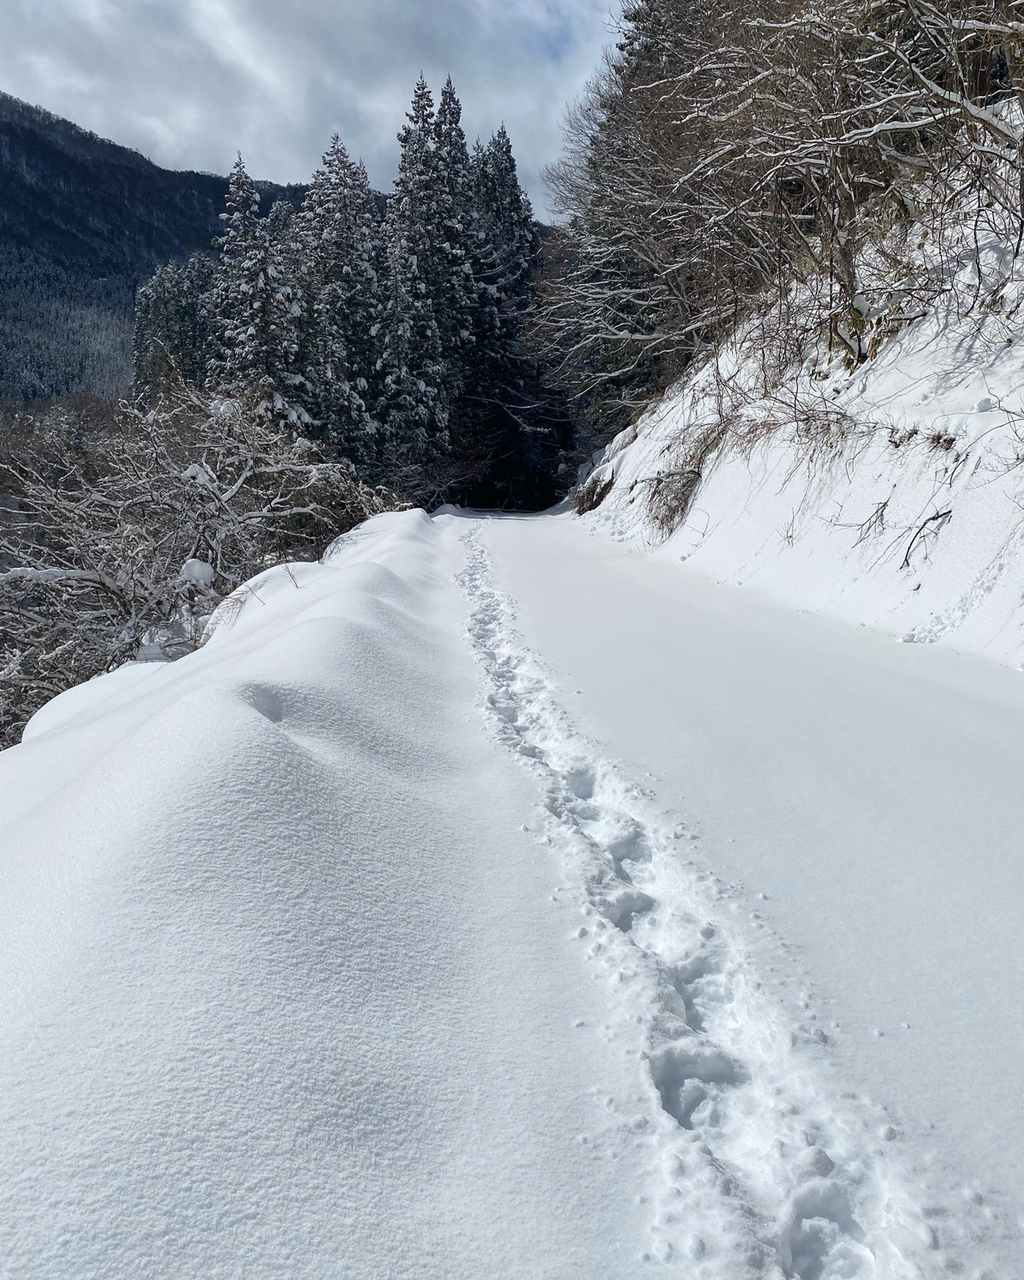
756 1171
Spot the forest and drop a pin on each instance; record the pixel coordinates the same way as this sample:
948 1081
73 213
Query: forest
741 162
395 336
329 358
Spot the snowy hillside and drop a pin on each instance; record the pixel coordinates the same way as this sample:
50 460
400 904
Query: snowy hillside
493 900
891 496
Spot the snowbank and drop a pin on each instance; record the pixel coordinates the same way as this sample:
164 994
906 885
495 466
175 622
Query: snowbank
274 988
892 496
343 946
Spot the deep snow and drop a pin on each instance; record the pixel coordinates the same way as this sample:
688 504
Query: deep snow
493 901
866 797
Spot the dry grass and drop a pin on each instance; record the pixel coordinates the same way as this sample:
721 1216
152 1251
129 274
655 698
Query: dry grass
671 493
589 496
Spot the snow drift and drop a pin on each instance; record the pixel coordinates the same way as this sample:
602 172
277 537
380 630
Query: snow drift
276 992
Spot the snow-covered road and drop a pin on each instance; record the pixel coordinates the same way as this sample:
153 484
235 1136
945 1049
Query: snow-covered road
492 901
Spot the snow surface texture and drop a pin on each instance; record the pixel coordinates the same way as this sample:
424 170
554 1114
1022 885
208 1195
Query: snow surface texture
757 1173
906 513
280 996
342 947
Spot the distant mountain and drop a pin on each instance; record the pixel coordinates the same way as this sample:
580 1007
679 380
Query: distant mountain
82 221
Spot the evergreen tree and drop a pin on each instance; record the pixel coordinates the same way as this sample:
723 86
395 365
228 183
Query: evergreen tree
157 344
340 239
412 414
413 407
289 390
502 443
507 216
454 285
646 39
257 309
196 346
172 337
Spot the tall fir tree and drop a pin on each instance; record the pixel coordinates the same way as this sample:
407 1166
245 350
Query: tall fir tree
158 328
501 440
413 408
340 234
172 329
257 309
453 282
507 216
200 271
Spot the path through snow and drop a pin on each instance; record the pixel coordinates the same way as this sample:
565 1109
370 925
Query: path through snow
304 975
761 1170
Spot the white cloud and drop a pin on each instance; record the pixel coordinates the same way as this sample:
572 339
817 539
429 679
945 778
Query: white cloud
190 82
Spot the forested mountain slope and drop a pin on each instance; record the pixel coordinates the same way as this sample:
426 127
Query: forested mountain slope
82 222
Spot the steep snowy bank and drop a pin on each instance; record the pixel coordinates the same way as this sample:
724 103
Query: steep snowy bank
893 496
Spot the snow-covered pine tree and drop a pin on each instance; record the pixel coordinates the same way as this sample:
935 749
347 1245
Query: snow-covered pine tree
157 338
454 286
228 300
412 417
339 234
500 437
506 214
172 337
257 309
486 264
199 277
413 407
645 38
288 380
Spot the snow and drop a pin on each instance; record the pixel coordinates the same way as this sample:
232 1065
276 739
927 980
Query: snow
859 802
900 509
87 699
494 899
280 993
197 573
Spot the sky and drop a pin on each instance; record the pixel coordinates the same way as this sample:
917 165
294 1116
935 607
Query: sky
191 82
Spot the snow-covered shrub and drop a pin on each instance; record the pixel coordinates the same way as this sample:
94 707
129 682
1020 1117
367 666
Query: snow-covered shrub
118 542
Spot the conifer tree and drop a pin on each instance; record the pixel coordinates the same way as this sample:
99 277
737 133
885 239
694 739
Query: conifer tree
196 346
499 440
257 309
340 241
454 285
508 218
413 407
172 337
157 327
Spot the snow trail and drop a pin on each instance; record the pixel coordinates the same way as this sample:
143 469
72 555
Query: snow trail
756 1169
283 992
